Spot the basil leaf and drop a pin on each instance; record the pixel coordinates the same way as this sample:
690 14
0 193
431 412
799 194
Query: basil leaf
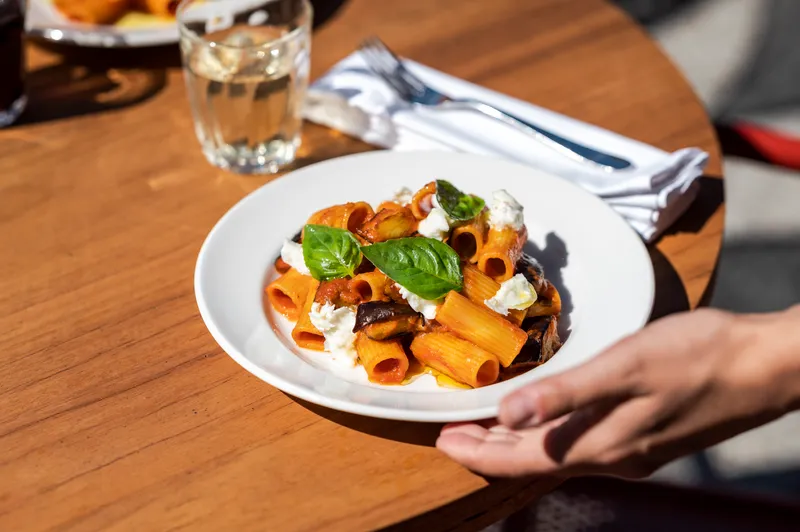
330 253
456 204
424 266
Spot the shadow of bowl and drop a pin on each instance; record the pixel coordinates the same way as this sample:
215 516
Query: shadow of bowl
423 434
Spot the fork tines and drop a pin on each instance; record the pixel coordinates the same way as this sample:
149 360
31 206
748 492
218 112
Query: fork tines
381 60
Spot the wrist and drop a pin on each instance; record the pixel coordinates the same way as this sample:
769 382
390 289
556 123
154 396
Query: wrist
778 345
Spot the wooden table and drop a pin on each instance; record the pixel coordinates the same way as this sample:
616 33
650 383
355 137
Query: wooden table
118 410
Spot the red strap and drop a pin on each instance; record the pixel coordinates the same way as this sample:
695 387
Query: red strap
778 148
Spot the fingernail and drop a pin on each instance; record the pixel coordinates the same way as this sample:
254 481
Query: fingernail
517 409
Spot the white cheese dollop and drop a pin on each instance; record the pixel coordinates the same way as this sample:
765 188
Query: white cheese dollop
292 254
403 196
426 307
435 225
505 211
516 293
336 324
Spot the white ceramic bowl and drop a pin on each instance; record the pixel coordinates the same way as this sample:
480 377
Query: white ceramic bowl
597 262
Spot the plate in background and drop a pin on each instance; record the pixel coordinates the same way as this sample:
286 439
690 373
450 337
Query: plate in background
43 20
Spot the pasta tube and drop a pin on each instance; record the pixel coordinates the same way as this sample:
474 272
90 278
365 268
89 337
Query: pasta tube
304 333
348 216
456 358
468 240
288 293
389 205
422 202
481 326
478 287
370 286
385 361
501 252
93 11
388 224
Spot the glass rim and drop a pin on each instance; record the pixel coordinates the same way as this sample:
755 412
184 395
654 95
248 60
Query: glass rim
308 14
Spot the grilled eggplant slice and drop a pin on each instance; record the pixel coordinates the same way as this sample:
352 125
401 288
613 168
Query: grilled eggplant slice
543 341
532 270
384 330
548 301
382 320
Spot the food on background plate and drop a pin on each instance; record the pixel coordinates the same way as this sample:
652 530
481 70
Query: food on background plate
435 281
110 11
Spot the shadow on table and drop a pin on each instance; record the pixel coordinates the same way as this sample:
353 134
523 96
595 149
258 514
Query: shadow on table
91 80
402 431
671 296
709 198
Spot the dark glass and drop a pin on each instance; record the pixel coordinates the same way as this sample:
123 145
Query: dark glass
12 61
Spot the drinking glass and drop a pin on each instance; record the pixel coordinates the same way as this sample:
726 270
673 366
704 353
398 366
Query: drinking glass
246 64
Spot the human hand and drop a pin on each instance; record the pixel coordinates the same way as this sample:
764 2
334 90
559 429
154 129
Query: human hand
681 384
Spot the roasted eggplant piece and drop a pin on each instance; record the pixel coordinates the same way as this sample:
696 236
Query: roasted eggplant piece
388 224
543 341
381 320
384 330
517 369
548 301
532 270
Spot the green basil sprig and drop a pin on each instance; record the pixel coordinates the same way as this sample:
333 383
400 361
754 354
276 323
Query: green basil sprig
424 266
458 206
330 253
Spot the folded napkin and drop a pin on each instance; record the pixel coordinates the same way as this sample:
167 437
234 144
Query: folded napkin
650 196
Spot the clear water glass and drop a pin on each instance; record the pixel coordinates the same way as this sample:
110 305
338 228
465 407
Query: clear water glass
246 64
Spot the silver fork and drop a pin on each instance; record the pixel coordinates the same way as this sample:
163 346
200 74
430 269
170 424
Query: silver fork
388 66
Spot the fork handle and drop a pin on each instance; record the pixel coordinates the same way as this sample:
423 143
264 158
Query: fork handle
573 150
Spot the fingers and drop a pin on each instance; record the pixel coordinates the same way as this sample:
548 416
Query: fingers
606 377
594 440
494 452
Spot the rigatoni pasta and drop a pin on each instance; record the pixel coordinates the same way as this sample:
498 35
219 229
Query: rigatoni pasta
478 287
370 286
288 293
385 361
500 254
422 201
457 358
468 239
482 327
436 278
304 333
349 216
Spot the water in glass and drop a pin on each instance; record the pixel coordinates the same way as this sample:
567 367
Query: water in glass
246 86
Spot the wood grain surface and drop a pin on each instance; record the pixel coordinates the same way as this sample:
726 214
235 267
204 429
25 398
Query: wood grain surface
117 408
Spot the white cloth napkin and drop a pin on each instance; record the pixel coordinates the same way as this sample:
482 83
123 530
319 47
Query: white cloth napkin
650 196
